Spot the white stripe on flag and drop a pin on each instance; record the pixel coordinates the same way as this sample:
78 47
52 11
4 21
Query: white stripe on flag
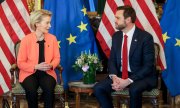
6 38
23 13
5 62
152 9
12 20
119 2
105 34
3 84
110 15
143 20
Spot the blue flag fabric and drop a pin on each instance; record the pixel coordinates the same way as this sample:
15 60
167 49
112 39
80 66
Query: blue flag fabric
91 5
170 24
71 26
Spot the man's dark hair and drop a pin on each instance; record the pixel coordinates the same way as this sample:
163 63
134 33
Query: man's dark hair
1 1
128 12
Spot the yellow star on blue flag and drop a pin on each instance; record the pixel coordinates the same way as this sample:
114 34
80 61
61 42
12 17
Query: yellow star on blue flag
59 42
71 39
177 42
84 10
71 26
82 26
165 37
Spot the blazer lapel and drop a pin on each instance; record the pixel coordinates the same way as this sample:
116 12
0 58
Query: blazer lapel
48 51
35 47
134 42
119 44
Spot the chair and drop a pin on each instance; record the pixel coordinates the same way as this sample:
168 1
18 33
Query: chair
122 97
18 92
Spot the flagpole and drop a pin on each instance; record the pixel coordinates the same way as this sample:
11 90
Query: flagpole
91 5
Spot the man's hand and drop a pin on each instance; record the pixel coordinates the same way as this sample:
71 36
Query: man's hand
116 82
43 66
115 79
123 83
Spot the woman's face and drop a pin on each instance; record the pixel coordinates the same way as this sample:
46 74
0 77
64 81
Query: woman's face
44 25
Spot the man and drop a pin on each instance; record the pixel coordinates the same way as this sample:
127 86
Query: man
134 69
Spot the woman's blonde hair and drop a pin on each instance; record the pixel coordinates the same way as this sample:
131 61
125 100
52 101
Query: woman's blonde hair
36 17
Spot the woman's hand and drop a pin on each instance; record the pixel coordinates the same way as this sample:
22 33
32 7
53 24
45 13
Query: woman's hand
43 66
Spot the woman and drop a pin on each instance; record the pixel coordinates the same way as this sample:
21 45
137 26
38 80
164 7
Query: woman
37 58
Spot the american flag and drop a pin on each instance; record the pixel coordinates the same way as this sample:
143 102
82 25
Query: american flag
146 19
14 25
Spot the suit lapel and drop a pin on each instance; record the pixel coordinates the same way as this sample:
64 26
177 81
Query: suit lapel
48 48
119 44
35 47
134 42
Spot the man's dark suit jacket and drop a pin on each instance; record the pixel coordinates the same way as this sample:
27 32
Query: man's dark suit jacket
141 57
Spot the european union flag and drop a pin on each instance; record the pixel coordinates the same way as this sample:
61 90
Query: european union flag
71 26
170 24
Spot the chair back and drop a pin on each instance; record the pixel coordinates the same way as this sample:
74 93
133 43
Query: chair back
158 69
16 48
157 51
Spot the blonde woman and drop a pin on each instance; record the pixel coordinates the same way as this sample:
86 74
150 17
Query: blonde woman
37 58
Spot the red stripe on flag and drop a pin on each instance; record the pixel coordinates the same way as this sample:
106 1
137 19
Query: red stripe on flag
5 75
18 17
112 5
103 44
1 91
138 24
6 51
155 25
7 26
108 25
159 62
25 5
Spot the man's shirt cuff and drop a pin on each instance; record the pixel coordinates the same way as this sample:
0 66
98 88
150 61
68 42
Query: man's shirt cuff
111 75
130 80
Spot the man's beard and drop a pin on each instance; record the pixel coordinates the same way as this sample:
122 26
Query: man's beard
121 27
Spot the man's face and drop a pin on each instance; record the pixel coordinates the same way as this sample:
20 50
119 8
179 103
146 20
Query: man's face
120 22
